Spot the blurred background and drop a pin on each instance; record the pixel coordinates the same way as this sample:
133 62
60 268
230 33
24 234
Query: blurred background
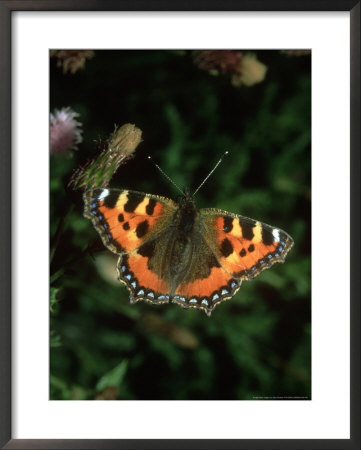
191 108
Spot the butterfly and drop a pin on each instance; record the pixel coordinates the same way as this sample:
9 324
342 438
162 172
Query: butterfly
172 252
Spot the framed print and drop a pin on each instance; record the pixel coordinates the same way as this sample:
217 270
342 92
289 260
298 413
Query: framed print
164 163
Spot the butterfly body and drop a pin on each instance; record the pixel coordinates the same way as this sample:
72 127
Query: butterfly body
169 252
182 233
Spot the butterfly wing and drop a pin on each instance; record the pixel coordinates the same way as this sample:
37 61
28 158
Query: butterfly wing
132 225
244 247
227 249
204 283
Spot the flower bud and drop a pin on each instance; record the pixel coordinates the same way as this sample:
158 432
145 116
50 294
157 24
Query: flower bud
251 71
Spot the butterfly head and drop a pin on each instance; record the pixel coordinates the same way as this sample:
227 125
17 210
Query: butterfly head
187 193
186 199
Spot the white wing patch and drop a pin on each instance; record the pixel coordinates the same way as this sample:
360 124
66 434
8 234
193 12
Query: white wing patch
105 193
276 234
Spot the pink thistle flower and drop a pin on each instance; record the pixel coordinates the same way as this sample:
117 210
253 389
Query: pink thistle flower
218 61
65 131
72 60
245 69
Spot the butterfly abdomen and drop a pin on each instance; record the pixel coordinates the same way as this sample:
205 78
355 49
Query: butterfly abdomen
183 224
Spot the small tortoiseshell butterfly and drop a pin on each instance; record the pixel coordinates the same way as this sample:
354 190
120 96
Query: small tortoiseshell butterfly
176 253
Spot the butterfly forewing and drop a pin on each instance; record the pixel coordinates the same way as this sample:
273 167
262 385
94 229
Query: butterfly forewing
244 247
127 219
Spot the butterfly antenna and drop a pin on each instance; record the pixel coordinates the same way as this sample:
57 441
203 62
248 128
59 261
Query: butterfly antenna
167 177
210 173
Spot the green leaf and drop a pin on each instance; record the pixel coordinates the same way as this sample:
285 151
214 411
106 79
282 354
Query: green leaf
55 340
53 299
114 377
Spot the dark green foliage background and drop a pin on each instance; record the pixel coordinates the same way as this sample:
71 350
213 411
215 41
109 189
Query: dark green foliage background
259 343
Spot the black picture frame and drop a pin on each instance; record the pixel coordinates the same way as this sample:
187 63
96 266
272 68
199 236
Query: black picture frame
6 9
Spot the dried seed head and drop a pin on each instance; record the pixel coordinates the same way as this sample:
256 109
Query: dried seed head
125 139
98 172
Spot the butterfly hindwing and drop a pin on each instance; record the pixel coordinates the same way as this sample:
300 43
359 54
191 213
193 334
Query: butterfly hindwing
142 282
205 283
244 247
227 249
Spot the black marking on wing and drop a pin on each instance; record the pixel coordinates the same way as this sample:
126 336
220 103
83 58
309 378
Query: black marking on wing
247 228
227 224
111 200
213 262
267 236
142 228
133 201
96 193
226 248
149 209
147 249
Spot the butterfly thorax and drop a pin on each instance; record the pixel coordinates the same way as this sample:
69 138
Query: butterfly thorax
185 216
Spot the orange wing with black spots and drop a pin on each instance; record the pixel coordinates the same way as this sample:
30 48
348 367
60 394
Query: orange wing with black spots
126 219
229 249
206 293
244 247
130 223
